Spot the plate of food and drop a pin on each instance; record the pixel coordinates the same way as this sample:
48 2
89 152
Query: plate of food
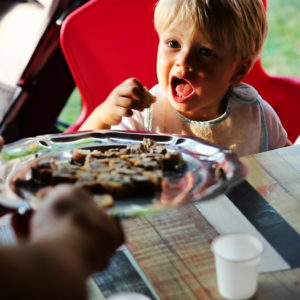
129 174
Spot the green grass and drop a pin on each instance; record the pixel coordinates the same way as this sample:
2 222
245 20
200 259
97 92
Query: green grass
281 53
72 109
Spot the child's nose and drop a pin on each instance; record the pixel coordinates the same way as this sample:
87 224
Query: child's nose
185 59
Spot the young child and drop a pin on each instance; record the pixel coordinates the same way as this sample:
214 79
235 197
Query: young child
206 47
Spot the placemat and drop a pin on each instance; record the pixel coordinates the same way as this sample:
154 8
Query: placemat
173 250
282 236
121 276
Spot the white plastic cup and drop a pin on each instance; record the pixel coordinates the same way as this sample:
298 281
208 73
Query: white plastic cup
128 296
237 258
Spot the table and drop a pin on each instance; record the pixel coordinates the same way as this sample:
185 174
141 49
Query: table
173 248
167 256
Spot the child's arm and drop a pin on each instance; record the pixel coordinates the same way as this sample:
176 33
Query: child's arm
129 95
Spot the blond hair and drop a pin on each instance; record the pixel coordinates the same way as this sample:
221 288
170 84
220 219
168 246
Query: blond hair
238 25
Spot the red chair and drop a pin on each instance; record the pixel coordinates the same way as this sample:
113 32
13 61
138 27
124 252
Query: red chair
107 41
282 92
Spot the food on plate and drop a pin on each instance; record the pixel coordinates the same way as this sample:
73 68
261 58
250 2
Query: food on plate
132 170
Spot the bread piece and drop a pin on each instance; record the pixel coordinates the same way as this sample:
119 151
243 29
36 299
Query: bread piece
79 155
42 172
88 181
103 201
117 185
172 161
143 186
126 171
156 176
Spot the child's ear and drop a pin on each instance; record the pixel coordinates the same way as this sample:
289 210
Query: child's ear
241 70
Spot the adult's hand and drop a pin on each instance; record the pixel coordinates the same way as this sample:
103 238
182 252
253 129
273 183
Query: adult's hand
3 210
69 239
70 215
1 142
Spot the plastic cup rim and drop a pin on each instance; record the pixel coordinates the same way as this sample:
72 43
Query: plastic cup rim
119 295
215 240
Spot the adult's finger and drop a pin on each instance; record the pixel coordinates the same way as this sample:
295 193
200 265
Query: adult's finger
1 142
5 210
21 224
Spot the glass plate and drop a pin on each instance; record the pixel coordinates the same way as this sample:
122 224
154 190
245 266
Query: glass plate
209 170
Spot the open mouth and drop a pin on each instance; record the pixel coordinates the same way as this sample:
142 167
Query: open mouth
182 90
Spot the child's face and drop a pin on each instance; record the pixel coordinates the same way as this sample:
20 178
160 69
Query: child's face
194 74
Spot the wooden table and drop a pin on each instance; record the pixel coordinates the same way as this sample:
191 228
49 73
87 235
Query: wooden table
173 248
171 251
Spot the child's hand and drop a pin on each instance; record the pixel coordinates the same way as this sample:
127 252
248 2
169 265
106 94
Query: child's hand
126 97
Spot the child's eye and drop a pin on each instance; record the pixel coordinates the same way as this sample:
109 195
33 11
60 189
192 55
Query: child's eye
173 44
206 52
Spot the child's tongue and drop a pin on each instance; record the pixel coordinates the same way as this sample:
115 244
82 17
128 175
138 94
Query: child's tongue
182 88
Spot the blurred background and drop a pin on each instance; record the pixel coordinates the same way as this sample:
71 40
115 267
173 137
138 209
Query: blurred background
281 53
